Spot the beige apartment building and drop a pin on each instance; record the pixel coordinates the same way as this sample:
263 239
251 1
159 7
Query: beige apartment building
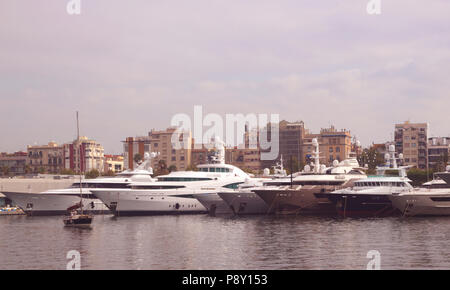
84 153
411 140
113 163
45 158
160 141
333 145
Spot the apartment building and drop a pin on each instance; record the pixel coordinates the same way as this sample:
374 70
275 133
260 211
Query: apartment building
333 145
13 164
84 153
411 139
114 163
438 151
161 141
45 158
291 135
132 146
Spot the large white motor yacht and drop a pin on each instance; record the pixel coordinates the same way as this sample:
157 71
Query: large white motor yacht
56 201
176 192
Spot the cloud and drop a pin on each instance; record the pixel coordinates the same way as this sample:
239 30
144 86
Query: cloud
128 67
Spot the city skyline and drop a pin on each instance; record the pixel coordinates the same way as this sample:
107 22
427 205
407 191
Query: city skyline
324 64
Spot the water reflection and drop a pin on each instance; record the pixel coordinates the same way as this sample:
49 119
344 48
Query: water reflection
203 242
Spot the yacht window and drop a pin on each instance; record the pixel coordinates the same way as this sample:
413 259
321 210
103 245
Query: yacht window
233 185
183 178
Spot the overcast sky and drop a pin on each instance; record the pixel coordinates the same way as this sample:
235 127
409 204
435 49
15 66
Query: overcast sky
129 66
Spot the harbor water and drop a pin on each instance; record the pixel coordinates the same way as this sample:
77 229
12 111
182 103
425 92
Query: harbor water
204 242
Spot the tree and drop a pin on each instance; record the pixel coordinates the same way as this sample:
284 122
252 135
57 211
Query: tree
5 170
109 173
419 176
42 170
137 158
67 171
161 168
28 169
372 158
94 173
172 168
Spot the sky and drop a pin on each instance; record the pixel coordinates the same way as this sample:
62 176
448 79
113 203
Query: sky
130 66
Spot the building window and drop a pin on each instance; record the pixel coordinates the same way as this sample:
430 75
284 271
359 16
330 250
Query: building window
331 149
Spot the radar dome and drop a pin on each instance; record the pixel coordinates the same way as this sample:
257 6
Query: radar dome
266 172
335 163
392 148
146 155
307 168
314 142
400 155
448 168
386 156
322 167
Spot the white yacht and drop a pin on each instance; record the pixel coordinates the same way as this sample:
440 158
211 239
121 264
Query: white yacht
176 192
304 195
432 198
56 201
243 201
370 197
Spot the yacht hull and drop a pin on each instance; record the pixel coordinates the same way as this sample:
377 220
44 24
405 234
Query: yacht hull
245 203
298 200
214 204
41 204
351 205
142 204
422 205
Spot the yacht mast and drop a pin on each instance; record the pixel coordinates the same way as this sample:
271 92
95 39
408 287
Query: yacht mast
79 163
